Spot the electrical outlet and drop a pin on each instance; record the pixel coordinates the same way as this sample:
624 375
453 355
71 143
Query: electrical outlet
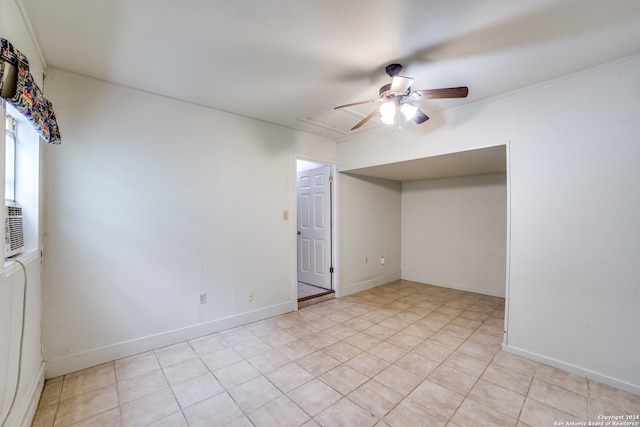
203 297
250 296
382 260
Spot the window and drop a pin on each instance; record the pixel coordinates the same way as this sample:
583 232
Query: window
21 171
10 160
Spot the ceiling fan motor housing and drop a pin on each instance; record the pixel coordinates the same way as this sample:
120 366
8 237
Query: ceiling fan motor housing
385 88
393 69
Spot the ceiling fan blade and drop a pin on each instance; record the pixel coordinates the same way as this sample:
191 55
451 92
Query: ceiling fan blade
400 84
449 92
419 117
366 119
369 101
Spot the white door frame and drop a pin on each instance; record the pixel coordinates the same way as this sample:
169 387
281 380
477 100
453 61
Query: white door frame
294 224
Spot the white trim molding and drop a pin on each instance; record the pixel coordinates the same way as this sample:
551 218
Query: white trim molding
75 362
594 376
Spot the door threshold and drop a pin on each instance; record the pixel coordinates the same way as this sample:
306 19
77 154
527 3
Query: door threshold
314 299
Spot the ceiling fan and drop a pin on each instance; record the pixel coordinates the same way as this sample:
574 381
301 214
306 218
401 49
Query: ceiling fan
397 96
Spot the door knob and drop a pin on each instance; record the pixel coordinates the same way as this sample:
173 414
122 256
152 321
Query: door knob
299 232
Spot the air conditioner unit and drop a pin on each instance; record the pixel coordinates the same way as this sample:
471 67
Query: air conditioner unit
13 232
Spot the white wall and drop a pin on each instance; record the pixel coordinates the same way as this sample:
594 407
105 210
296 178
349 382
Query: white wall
575 234
152 201
369 227
454 232
575 240
31 374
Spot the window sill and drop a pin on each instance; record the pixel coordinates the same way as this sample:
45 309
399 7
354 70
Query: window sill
25 257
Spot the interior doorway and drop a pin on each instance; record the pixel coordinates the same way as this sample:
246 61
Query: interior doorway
314 228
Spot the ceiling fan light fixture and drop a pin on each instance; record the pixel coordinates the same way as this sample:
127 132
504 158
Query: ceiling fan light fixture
388 108
397 97
388 119
388 112
408 110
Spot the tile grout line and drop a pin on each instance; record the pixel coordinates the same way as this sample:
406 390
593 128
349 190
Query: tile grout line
441 363
457 348
173 393
589 400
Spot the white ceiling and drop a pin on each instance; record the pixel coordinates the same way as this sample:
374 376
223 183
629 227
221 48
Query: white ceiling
289 62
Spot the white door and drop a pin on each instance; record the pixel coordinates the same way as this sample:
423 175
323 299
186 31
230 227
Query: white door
314 227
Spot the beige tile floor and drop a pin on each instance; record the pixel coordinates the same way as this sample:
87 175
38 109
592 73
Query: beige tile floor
403 354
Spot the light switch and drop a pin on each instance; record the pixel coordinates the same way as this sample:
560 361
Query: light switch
285 215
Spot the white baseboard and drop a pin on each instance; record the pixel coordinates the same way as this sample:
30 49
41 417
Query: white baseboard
460 288
24 409
574 369
367 284
75 362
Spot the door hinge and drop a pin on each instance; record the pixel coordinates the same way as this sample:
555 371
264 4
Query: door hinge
331 269
330 178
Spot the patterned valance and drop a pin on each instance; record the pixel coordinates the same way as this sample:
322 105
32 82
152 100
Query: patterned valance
18 87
